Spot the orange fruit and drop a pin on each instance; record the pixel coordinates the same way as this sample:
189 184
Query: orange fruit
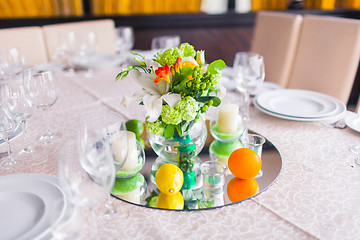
188 64
244 163
240 189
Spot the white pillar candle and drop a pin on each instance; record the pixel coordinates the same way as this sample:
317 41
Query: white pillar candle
119 149
228 118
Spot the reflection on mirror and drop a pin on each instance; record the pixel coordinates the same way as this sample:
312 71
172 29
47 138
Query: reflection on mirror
219 187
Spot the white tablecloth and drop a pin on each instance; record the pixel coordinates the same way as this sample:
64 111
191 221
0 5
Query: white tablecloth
317 194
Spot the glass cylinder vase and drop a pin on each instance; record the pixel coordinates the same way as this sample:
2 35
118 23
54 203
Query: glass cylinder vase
182 151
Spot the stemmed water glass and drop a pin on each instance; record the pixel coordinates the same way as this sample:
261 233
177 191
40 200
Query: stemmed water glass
46 92
99 134
69 44
88 48
356 148
18 96
82 192
11 62
249 74
7 128
125 40
164 42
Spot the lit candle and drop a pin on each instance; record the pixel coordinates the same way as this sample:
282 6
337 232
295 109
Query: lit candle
119 149
228 118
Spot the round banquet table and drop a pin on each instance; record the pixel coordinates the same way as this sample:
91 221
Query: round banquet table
316 195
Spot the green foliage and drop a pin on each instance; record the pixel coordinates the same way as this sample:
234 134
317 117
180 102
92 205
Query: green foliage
169 131
196 86
216 66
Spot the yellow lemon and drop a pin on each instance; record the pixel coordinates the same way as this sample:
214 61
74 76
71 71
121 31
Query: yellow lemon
169 179
175 201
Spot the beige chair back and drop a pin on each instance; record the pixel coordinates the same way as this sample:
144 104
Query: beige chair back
104 30
328 56
275 38
29 40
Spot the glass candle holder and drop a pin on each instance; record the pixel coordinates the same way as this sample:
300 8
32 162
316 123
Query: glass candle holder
213 176
227 124
213 186
254 142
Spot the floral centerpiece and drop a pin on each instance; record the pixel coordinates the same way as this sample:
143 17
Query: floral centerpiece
177 87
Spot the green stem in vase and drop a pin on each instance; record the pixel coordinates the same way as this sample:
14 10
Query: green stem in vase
185 154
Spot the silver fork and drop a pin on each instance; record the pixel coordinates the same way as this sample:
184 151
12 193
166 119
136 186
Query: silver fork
340 124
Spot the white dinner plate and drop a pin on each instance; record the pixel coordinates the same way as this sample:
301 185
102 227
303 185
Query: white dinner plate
25 204
353 122
98 61
298 103
31 200
341 109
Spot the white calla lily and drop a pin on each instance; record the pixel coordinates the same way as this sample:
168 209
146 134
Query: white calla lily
153 94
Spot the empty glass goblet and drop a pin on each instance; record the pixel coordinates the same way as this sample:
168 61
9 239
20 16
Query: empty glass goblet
88 48
356 148
11 62
69 44
46 92
18 97
7 128
98 133
165 42
81 191
249 74
125 40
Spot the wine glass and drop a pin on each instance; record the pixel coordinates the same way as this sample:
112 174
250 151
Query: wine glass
249 74
80 190
125 40
356 148
165 42
101 134
18 97
46 92
11 62
69 44
88 49
8 125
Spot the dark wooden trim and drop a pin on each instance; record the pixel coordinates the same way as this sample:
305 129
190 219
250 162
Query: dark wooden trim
163 21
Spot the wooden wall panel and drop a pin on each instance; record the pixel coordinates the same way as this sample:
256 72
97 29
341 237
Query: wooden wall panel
218 43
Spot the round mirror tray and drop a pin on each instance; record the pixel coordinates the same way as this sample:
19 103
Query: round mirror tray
271 167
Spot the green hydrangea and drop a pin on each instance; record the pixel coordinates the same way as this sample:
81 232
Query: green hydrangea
187 108
187 50
170 116
170 55
154 127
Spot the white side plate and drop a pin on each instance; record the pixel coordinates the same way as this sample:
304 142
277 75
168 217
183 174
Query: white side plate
353 122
